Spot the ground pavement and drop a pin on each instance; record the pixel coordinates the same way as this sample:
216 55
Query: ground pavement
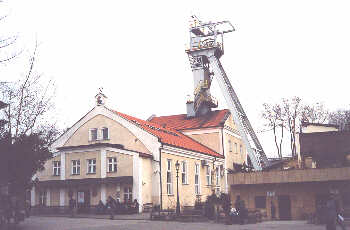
64 223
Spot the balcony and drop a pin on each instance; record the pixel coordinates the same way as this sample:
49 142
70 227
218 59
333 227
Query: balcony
290 176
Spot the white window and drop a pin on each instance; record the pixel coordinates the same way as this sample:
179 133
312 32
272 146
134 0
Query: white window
57 168
169 181
91 166
236 148
42 198
196 179
117 195
208 175
127 194
93 134
112 164
184 174
217 174
230 145
105 133
75 167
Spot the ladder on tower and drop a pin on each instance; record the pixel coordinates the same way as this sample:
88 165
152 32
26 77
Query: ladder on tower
257 155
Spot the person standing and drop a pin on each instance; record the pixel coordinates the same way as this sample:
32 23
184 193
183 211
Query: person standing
240 207
273 210
110 207
332 210
72 205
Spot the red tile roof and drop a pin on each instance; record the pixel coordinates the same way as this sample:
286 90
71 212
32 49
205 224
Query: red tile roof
170 136
181 122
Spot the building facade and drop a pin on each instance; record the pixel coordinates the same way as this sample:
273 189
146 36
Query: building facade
302 184
108 153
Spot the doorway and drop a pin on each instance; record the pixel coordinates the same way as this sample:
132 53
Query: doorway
284 207
83 201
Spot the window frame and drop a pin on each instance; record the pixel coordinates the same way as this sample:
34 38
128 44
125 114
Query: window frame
184 173
230 146
217 175
114 164
208 176
90 134
169 179
76 167
42 197
91 165
236 148
56 169
197 186
128 193
102 136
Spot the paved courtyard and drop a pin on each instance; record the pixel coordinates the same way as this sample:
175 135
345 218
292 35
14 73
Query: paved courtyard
64 223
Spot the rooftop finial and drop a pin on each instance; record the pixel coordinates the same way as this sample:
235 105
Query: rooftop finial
100 97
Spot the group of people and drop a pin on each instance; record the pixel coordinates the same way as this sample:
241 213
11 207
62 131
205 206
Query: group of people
239 213
111 207
241 210
115 207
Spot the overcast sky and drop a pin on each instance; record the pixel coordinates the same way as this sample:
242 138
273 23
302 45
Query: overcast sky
135 50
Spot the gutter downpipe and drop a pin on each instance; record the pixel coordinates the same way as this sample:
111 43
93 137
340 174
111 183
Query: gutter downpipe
160 176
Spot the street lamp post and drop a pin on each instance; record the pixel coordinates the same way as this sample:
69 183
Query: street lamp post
177 166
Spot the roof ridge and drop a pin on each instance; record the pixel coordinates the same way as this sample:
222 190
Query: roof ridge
218 110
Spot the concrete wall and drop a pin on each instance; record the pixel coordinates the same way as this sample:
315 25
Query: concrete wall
232 134
302 195
83 157
124 164
47 173
147 172
234 156
212 140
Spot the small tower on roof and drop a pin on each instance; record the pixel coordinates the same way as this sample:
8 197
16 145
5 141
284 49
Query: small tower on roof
100 98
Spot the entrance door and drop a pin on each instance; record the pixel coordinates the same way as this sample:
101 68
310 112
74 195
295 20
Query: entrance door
83 200
284 207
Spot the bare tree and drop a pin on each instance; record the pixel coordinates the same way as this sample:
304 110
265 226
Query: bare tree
7 49
29 99
340 118
291 112
316 113
25 142
273 115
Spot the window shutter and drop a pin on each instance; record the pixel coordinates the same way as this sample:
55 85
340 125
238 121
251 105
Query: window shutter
90 135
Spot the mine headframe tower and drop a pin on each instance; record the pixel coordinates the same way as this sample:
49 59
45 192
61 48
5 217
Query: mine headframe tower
206 48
